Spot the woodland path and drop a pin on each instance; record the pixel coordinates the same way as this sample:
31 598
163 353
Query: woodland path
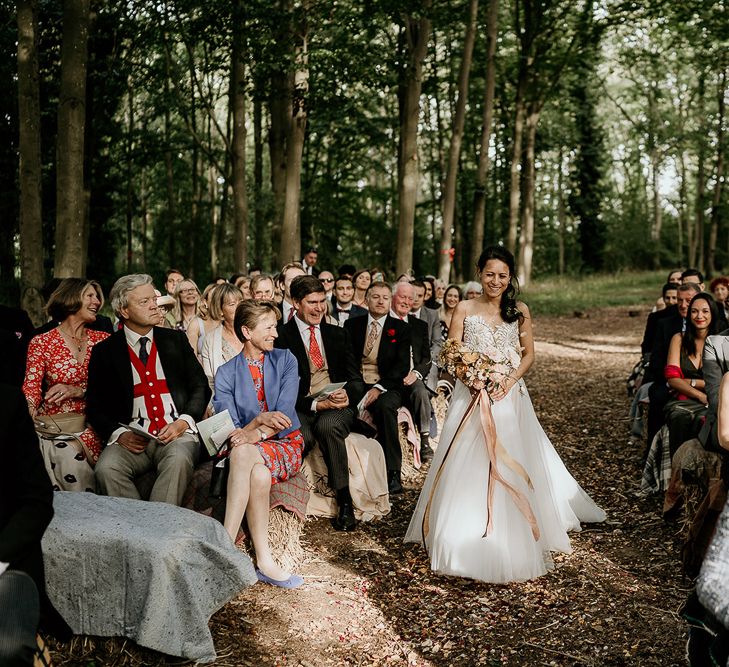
371 600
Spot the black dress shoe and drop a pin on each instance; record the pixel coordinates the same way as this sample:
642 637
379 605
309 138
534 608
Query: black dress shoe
345 520
393 482
426 453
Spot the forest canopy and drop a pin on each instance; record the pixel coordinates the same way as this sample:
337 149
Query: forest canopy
217 137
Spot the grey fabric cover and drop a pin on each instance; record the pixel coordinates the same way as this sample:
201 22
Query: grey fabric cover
152 572
712 586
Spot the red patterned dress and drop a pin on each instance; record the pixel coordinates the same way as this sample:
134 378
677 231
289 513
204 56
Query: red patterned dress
282 456
51 362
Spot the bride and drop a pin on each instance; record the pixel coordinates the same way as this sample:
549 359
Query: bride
497 498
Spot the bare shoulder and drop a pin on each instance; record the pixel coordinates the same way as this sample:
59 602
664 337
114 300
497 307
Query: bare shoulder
523 309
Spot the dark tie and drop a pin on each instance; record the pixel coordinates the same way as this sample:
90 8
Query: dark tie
143 354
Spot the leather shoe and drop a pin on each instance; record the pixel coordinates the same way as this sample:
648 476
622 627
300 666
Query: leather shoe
345 520
426 453
393 482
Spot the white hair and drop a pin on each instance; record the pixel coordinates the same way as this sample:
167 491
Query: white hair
472 286
397 285
119 295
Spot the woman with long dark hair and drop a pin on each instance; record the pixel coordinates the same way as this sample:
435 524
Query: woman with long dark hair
497 499
684 371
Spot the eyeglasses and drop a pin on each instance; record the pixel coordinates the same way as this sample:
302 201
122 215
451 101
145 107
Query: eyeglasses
327 280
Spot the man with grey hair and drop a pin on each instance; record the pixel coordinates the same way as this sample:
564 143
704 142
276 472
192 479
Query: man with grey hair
146 390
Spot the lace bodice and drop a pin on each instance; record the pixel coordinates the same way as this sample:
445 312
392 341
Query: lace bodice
500 343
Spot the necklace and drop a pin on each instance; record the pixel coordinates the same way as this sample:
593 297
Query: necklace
77 340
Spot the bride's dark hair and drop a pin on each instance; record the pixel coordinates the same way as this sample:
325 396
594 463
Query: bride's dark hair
509 311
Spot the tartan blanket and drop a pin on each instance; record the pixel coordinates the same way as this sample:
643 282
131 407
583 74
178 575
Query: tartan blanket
657 469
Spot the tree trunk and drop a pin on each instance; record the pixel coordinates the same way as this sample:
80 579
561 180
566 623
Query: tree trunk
130 173
70 256
700 177
240 199
290 248
719 180
258 221
454 153
417 32
684 224
479 198
526 245
515 167
561 213
31 226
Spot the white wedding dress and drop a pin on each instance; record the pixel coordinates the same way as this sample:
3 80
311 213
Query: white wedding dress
459 477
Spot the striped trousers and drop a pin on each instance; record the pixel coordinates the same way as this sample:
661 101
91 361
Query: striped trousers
329 428
19 612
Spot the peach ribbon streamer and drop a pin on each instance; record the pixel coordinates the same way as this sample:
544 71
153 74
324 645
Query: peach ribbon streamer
496 453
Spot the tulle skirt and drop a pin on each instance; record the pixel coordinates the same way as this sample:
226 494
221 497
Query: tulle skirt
458 514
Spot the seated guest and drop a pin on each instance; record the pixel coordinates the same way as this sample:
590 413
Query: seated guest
173 277
288 273
262 287
324 354
259 388
674 276
221 344
451 298
16 330
440 288
361 280
149 377
720 289
415 392
683 371
327 279
344 308
722 430
472 290
429 298
715 368
56 378
670 299
666 329
26 509
202 325
381 346
422 311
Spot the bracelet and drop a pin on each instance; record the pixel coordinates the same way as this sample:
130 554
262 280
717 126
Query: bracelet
693 382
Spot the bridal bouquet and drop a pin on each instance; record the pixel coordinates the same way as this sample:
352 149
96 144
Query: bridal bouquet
470 367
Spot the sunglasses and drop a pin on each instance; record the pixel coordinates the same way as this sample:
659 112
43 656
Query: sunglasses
327 280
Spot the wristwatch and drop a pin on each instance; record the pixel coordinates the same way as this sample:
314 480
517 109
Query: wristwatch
693 382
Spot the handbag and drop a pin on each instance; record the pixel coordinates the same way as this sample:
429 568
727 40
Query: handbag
219 478
65 423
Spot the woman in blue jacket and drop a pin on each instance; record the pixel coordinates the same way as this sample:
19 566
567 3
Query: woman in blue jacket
259 388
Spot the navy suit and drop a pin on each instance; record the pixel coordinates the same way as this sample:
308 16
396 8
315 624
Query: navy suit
328 428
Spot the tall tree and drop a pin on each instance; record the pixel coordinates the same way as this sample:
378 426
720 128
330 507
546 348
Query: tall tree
238 94
479 198
31 229
454 152
416 33
71 240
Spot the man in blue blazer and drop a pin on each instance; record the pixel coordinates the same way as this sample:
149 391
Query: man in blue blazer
148 377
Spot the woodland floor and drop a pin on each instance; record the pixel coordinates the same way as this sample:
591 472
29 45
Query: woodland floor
371 600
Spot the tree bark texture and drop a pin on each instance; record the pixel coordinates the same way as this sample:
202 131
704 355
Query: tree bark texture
417 33
454 152
70 255
31 227
479 198
290 248
515 165
719 180
526 245
238 101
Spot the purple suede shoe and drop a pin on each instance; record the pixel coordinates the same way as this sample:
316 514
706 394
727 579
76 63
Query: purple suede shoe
294 581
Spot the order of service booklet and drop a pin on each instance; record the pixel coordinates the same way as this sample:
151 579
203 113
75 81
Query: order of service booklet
214 431
328 390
